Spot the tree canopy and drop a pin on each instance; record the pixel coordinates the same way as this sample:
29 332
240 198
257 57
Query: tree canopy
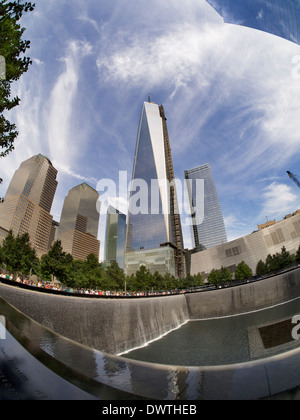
243 271
276 262
17 254
12 53
56 263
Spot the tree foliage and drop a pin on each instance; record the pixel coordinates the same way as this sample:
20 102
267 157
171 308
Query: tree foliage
56 263
17 254
13 49
261 268
278 261
297 256
219 277
243 271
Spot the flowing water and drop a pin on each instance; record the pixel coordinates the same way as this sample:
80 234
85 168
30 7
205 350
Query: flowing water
36 363
228 340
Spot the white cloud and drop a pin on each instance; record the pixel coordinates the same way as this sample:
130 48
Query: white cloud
212 65
260 14
172 57
236 80
64 169
61 105
236 227
279 200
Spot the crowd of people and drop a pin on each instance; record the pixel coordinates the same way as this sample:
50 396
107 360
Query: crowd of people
61 288
58 287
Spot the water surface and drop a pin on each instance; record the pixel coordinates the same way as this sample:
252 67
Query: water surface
217 341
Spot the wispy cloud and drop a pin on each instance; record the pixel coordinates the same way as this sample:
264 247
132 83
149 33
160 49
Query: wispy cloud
279 200
66 170
228 92
237 227
171 58
61 105
208 67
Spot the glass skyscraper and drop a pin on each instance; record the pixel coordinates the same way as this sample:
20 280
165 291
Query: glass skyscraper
208 224
157 224
115 237
28 201
78 227
278 17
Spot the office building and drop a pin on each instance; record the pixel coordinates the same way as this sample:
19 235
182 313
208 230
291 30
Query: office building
155 227
28 201
3 234
208 224
115 237
78 227
53 233
278 17
250 248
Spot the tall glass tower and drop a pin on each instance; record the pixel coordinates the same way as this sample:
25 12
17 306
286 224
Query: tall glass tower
78 228
28 201
115 237
156 226
208 224
278 17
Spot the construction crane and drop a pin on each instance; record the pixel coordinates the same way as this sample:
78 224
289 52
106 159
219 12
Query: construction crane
294 178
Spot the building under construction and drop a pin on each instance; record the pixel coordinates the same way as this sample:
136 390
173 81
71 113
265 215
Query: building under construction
154 234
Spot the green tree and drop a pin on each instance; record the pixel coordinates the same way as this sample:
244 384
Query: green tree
142 279
12 48
86 274
218 277
278 261
17 254
243 271
92 272
261 268
28 260
56 263
9 252
285 258
272 262
198 280
169 282
225 275
115 277
214 277
157 282
297 256
192 281
76 278
130 283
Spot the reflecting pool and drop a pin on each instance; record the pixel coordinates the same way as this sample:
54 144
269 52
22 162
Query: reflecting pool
234 339
38 364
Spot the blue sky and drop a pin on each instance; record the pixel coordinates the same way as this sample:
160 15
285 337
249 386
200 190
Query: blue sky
230 95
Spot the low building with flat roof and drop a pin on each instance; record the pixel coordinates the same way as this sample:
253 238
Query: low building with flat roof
250 248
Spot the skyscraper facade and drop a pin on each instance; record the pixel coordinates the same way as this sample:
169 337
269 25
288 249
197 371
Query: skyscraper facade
115 237
278 17
156 226
208 224
28 202
78 228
